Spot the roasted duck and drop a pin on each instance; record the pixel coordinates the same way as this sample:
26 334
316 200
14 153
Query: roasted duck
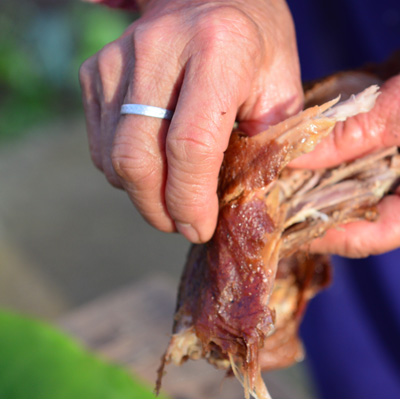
242 295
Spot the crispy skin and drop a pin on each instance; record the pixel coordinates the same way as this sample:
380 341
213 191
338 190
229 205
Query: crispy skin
243 294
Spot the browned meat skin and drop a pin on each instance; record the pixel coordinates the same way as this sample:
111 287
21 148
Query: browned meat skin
236 306
239 283
228 285
240 172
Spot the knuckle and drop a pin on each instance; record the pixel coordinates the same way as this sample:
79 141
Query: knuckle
356 247
134 165
151 31
86 72
198 147
108 57
225 23
156 40
143 36
146 37
155 56
111 66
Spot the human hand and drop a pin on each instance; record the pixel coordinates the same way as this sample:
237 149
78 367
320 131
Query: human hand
210 62
360 135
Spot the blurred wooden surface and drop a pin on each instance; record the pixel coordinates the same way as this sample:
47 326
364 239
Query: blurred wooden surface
132 327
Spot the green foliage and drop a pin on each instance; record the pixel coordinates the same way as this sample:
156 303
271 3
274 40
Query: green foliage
41 49
38 361
98 26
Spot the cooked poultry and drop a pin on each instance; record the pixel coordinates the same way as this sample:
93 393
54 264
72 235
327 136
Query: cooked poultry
242 295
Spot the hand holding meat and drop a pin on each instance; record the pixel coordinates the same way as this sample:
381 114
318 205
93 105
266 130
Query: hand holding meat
210 62
360 135
243 294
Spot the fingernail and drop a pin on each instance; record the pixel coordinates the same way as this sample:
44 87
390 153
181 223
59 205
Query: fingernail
188 231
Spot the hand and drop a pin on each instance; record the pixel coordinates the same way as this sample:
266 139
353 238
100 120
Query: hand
210 62
354 138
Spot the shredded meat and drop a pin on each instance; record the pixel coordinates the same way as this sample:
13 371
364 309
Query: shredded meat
242 295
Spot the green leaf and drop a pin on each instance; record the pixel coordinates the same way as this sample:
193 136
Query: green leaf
38 361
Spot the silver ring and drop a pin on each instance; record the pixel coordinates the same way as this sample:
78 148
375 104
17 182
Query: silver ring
148 111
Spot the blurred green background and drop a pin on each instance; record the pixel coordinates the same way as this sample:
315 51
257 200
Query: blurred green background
37 361
42 45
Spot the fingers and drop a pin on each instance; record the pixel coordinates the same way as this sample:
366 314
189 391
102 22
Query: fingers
278 100
361 134
103 80
138 159
133 151
88 76
115 63
356 137
198 136
170 170
364 238
172 177
279 92
138 149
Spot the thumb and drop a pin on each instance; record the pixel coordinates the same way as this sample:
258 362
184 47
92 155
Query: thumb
279 96
278 92
361 134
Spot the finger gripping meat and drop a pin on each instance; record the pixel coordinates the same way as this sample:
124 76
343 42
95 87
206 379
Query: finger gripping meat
242 294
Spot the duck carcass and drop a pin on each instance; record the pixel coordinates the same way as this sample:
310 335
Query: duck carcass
242 295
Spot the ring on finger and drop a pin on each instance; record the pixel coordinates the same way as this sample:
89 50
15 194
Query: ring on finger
148 111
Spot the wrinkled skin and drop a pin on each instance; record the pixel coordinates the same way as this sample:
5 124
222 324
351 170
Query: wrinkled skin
360 135
209 61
